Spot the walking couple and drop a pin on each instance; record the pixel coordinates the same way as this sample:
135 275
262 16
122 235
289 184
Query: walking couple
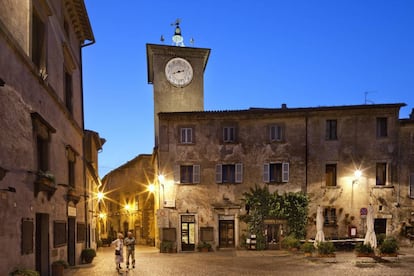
119 243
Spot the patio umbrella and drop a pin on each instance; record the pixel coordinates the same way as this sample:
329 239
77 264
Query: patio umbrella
320 236
370 237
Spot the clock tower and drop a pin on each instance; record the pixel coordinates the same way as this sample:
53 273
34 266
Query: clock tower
177 75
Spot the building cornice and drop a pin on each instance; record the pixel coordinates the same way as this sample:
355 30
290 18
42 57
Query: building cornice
302 111
80 21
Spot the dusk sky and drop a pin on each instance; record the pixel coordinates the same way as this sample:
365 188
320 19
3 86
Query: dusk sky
263 53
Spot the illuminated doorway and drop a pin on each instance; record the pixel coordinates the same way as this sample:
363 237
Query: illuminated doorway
187 233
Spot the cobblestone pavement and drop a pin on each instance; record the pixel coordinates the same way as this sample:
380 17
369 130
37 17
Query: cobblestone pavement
241 262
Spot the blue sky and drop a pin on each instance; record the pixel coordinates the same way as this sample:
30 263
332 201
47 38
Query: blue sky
263 53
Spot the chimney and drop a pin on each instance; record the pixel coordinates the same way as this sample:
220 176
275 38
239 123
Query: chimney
412 114
284 106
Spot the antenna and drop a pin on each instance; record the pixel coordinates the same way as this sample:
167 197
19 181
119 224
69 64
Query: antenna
366 100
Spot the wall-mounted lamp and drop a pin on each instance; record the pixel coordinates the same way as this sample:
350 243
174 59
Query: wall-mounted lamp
100 196
9 189
357 176
151 188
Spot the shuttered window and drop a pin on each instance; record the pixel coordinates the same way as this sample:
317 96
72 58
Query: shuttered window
187 174
186 135
276 133
229 173
276 172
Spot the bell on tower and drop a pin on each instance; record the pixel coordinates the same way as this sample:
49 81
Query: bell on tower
177 37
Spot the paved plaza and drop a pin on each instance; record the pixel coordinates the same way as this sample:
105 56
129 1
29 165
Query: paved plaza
241 262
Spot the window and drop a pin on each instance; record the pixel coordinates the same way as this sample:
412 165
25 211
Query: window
276 133
71 156
382 127
38 41
186 135
71 173
42 145
276 172
187 174
329 216
229 134
381 174
68 91
411 179
42 131
229 173
331 130
330 175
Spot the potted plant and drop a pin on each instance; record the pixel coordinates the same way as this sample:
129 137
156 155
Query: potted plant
389 247
326 249
24 272
58 267
87 255
291 243
364 250
166 247
308 248
204 247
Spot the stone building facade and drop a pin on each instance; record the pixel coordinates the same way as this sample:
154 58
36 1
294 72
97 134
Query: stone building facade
43 198
311 150
128 204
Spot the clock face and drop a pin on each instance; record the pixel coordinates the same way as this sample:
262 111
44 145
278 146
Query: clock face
179 72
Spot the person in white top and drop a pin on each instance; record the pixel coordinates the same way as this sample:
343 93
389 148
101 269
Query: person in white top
119 256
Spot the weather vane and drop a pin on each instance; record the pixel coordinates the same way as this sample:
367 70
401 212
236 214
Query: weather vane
177 37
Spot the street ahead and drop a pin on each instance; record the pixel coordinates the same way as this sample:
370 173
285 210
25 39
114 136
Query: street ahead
240 262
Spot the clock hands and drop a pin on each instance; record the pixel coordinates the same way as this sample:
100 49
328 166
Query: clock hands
179 71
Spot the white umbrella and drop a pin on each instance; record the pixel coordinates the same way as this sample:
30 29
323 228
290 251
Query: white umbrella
320 236
370 237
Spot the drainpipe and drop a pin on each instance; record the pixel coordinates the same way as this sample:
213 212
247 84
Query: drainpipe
85 184
306 153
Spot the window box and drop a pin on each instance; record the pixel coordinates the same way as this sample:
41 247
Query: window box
73 196
45 182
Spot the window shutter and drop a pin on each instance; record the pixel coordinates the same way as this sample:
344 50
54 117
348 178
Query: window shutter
189 135
239 173
182 133
285 172
196 173
412 185
219 173
266 176
177 174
